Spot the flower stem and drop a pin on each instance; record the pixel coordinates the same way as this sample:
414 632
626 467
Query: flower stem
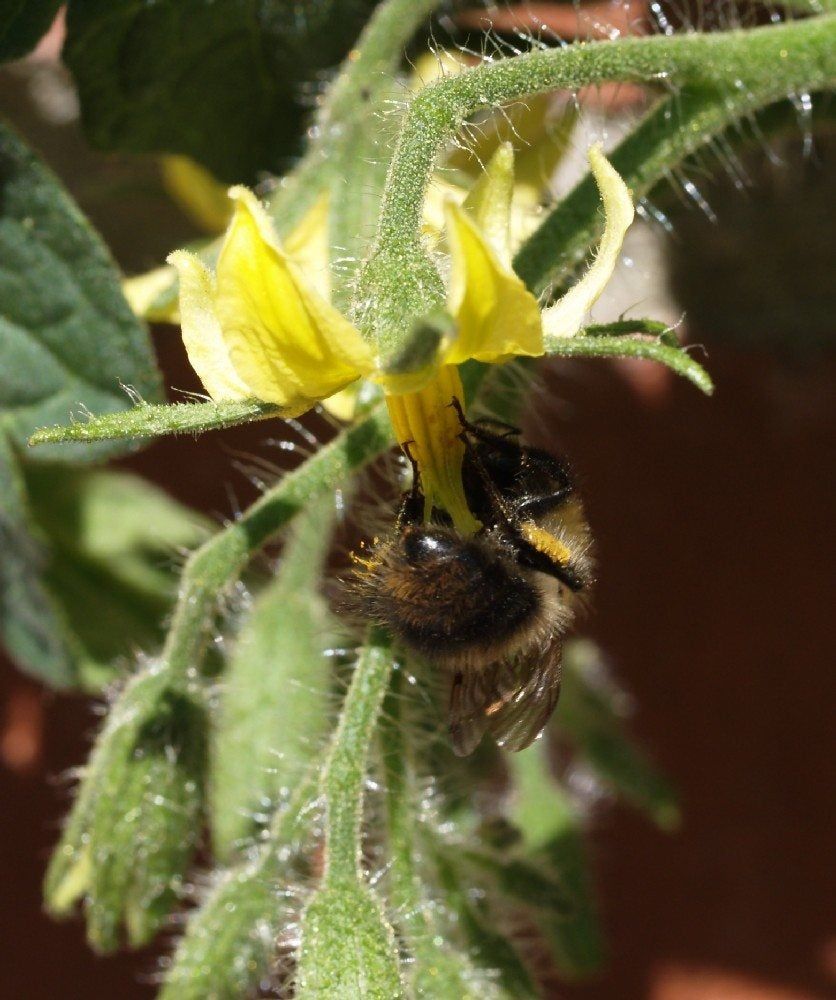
763 64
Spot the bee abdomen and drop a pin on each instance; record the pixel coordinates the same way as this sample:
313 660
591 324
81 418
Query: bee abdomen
451 598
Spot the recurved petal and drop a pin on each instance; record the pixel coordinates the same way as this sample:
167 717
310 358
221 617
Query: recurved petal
565 318
496 316
202 335
286 342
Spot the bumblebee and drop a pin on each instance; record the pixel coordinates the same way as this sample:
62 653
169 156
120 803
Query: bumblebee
491 609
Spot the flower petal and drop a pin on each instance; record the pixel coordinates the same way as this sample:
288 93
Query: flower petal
202 335
307 246
489 202
496 316
287 343
566 316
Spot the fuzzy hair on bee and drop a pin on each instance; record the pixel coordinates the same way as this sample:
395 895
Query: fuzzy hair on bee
491 610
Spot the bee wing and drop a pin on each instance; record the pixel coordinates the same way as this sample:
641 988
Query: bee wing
526 697
512 699
471 691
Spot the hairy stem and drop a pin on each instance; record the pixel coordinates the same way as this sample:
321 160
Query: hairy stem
762 65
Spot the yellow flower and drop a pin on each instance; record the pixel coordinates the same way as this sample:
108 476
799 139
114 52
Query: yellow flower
262 326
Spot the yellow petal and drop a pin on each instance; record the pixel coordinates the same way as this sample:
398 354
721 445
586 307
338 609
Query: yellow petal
496 316
565 317
202 335
197 192
307 246
428 428
489 202
286 342
152 295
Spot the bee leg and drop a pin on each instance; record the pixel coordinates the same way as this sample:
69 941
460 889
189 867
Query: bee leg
501 511
481 432
412 503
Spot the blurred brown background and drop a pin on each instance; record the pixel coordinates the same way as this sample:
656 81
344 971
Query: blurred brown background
715 529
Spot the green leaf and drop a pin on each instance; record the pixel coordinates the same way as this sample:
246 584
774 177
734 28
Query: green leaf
275 708
30 623
113 543
348 948
488 948
588 715
223 83
153 421
651 327
76 540
576 940
518 879
232 940
67 336
22 25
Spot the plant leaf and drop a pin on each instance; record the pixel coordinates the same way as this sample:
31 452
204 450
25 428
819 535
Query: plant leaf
67 336
348 949
275 702
152 421
113 543
552 831
30 623
223 83
22 25
625 346
73 540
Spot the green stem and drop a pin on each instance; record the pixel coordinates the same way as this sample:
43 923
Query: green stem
748 68
344 775
771 60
